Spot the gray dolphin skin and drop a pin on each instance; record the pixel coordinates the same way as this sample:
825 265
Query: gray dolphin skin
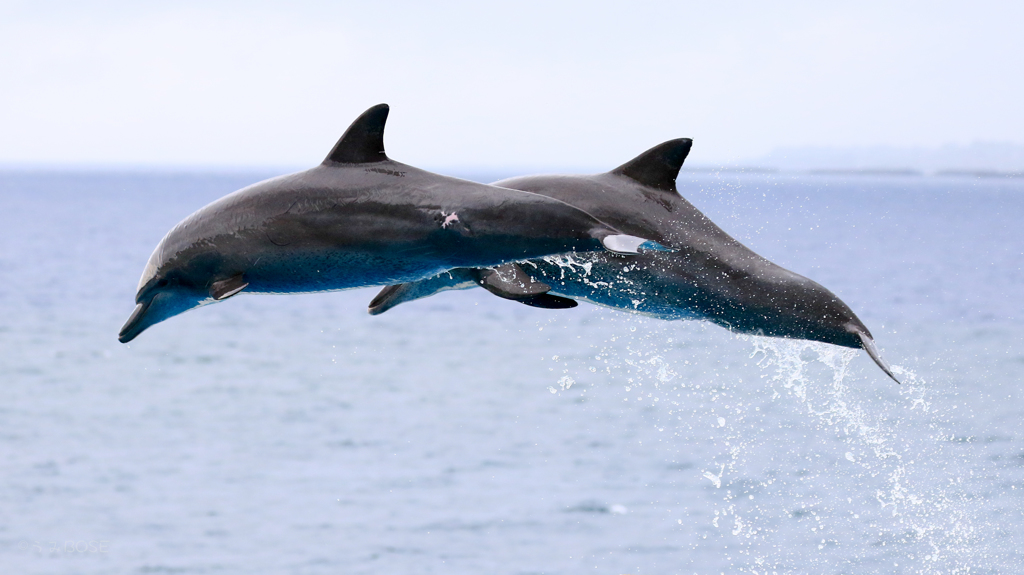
358 219
708 275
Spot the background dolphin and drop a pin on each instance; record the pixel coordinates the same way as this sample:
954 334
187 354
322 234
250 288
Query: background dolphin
358 219
708 275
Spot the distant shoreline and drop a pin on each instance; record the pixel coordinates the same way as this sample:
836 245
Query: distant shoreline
888 172
488 174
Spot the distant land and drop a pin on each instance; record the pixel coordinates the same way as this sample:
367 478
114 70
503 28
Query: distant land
977 160
980 159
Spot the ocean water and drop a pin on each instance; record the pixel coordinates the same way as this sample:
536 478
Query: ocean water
468 434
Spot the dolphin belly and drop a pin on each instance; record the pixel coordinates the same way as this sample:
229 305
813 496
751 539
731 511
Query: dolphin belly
628 284
333 271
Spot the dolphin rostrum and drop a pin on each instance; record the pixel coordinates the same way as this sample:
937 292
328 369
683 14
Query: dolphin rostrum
707 275
358 219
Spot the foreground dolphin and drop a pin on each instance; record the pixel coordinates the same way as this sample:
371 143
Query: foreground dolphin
358 219
709 275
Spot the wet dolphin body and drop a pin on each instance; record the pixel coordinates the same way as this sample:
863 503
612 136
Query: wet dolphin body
709 276
358 219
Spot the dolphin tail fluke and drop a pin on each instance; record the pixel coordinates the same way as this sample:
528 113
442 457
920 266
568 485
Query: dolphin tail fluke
869 346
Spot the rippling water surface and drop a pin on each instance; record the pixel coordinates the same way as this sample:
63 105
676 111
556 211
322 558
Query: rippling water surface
468 434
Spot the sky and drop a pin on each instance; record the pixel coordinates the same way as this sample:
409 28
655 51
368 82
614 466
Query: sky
544 85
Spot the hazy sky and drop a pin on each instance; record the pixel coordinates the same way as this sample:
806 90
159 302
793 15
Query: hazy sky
477 85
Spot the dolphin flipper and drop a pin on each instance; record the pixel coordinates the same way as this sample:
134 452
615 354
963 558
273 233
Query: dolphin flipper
548 301
226 288
509 281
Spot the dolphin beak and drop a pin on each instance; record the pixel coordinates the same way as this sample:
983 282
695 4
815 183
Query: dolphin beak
869 346
134 326
388 298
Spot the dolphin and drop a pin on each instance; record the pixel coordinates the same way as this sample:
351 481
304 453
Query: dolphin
358 219
708 275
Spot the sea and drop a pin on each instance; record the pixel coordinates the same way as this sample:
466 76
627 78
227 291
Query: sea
465 434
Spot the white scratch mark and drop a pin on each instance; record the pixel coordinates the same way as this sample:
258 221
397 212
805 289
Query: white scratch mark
449 219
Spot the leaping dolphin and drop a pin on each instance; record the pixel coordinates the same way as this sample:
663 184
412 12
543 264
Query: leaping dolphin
358 219
709 275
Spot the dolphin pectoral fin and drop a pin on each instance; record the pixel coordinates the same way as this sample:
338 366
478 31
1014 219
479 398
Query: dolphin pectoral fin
390 296
548 301
223 289
509 281
631 245
872 349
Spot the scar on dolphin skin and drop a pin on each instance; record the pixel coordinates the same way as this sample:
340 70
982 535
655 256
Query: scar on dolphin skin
395 173
449 219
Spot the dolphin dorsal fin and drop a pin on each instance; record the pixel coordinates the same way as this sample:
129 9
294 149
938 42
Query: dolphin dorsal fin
658 167
363 141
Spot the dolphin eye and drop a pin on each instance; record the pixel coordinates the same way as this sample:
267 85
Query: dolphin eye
162 283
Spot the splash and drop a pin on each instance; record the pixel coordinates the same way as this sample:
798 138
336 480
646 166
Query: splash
923 513
804 460
577 267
